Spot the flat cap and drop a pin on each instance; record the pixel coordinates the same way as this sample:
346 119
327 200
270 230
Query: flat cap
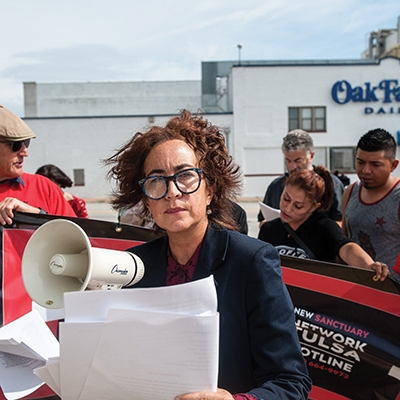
12 128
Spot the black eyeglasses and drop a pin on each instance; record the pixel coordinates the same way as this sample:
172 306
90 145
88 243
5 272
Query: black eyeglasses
187 181
16 146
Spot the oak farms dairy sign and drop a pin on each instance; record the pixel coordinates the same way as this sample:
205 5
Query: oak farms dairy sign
382 98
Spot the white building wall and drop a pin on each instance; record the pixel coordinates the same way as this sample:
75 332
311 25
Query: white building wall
110 98
262 96
82 143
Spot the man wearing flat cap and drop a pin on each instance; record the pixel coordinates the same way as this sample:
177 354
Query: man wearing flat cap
20 191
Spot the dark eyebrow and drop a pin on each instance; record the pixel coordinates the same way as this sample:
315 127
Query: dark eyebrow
296 202
296 159
177 168
358 159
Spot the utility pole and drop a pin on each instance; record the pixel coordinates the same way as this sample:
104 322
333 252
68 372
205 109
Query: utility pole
239 46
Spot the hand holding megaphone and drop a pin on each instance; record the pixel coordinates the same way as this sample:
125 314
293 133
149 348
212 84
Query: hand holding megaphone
59 258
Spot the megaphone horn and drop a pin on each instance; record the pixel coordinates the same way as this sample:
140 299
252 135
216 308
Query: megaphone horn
59 258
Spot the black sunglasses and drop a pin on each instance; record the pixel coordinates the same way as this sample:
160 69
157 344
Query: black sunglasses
16 146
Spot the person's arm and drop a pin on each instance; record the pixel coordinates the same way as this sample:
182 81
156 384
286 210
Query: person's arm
349 251
345 199
354 255
335 210
11 204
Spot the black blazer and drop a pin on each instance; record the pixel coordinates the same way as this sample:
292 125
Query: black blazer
259 347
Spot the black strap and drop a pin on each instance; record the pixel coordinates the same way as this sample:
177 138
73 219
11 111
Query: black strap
296 237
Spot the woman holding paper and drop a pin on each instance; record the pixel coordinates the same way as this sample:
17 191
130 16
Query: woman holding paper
304 231
186 178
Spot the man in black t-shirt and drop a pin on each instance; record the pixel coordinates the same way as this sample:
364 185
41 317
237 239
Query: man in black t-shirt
298 150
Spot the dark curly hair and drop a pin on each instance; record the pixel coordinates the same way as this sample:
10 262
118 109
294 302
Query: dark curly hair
317 184
208 144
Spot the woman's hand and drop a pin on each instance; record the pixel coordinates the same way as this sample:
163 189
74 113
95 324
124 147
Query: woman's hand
220 394
381 270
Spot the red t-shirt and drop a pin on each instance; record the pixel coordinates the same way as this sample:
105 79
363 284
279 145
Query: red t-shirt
37 191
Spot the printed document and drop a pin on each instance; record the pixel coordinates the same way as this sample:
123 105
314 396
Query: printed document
140 343
25 344
269 213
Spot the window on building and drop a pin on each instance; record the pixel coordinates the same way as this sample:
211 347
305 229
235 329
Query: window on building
342 159
79 177
311 119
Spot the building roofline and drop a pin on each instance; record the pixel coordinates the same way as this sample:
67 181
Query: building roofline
119 116
280 63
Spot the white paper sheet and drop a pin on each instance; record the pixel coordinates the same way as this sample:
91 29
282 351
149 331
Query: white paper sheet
53 366
78 346
50 375
148 355
25 344
269 213
136 332
190 298
16 375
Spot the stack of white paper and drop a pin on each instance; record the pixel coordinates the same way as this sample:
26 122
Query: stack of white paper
25 344
139 344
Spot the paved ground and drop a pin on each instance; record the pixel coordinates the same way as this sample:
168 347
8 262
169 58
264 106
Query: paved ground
103 211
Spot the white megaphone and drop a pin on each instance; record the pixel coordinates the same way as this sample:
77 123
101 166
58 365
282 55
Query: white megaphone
59 258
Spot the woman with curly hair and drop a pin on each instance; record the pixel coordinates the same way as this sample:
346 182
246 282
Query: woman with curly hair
186 179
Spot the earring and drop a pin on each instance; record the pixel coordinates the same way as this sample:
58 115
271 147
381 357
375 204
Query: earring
208 212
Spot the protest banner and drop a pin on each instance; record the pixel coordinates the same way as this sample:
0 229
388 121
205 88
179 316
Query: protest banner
349 329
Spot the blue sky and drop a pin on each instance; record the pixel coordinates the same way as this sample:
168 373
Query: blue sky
130 40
